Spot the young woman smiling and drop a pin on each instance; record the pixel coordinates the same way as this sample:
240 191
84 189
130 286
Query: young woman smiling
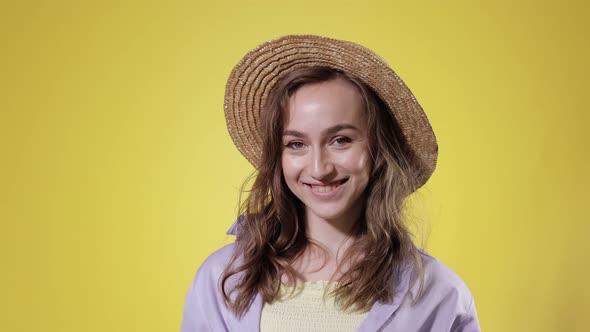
339 143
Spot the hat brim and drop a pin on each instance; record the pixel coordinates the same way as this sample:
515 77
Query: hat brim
260 69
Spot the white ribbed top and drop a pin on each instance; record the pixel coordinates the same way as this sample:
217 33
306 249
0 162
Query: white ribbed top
307 310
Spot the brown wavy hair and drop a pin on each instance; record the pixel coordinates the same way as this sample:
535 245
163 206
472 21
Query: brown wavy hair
271 232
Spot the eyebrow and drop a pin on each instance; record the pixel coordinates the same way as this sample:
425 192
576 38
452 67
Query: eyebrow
325 132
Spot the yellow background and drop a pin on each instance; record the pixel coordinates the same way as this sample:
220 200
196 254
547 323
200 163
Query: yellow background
118 176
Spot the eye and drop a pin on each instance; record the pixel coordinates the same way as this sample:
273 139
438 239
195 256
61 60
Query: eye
341 141
295 145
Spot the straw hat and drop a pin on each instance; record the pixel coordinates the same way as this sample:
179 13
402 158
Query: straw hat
256 74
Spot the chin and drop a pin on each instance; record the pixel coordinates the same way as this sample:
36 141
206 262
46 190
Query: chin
328 213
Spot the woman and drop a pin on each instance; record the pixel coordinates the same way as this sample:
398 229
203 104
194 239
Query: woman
339 142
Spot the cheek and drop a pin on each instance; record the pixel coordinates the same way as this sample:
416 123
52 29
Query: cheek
358 163
289 166
291 175
363 163
363 167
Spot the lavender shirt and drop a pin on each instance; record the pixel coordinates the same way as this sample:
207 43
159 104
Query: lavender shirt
447 304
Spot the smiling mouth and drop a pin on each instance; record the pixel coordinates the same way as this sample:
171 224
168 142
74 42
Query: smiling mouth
326 188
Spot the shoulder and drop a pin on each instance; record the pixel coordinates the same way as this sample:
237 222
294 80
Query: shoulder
218 260
209 274
207 280
445 296
204 308
440 278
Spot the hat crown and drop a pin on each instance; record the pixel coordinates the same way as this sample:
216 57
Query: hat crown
259 70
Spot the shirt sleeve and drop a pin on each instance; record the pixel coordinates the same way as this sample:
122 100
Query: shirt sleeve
204 308
467 321
194 315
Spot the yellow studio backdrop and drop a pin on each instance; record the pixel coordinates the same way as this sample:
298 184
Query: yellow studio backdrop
118 176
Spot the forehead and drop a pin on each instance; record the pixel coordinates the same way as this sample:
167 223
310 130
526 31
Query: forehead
325 104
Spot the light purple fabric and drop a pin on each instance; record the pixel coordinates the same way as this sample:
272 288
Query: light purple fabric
447 304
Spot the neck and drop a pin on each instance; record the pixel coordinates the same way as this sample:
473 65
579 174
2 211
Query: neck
334 235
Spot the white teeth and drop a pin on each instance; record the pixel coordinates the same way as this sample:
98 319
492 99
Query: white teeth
324 189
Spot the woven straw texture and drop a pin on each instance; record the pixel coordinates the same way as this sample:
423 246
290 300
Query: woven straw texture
256 74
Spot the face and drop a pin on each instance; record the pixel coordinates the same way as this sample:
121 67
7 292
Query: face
325 155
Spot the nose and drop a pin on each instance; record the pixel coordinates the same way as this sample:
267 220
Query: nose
322 168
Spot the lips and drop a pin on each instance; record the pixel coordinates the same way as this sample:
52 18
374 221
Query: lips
326 187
